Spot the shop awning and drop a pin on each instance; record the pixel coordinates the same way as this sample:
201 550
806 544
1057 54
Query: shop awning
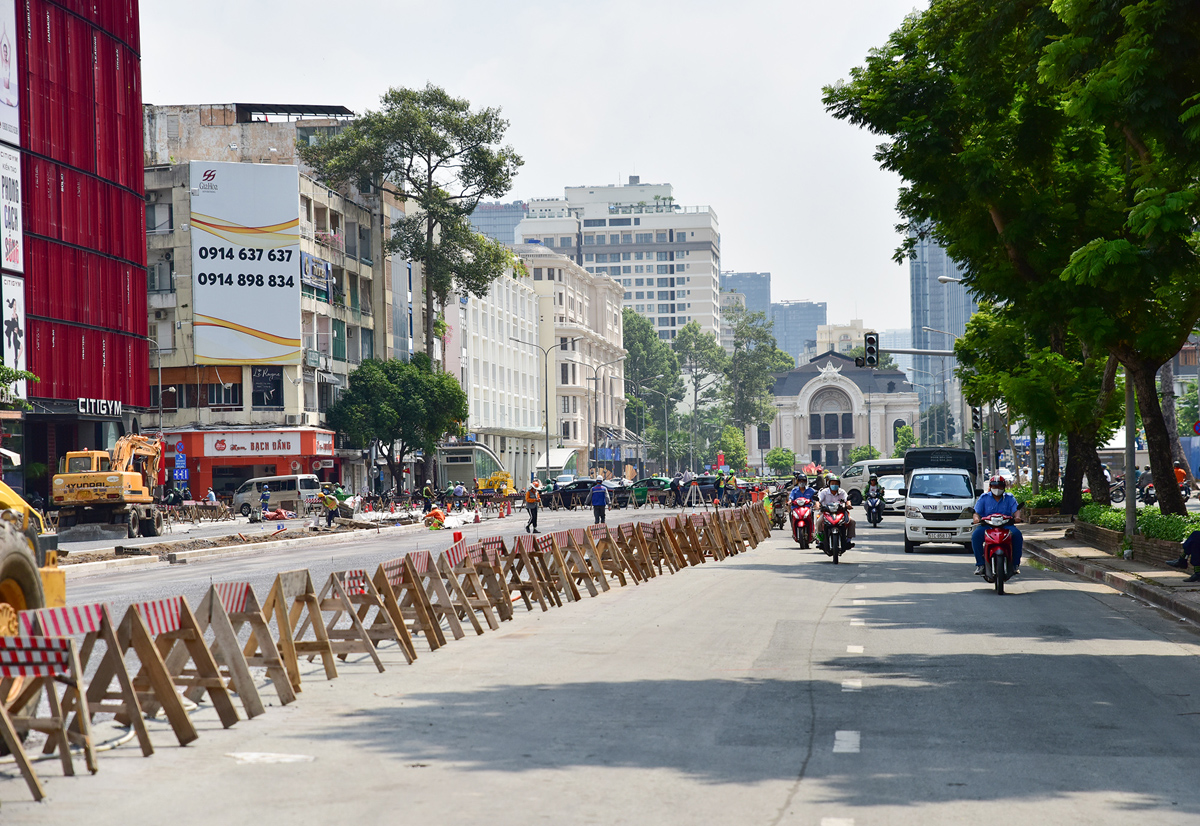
559 457
329 378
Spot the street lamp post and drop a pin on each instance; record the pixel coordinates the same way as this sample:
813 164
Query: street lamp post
546 353
158 358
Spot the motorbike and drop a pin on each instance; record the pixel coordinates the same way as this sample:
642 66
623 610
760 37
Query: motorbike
873 505
802 522
837 528
997 550
1116 491
1147 496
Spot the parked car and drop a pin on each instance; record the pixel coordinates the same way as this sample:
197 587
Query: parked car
643 487
571 495
893 499
620 492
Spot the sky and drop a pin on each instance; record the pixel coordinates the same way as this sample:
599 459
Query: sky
722 100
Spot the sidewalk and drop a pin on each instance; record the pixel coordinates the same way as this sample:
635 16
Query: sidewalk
1159 586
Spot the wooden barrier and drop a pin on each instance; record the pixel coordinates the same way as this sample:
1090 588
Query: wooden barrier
684 540
586 554
406 601
612 556
704 537
95 623
631 545
490 568
466 587
234 604
171 623
43 663
523 574
670 543
342 595
380 623
658 550
576 564
292 597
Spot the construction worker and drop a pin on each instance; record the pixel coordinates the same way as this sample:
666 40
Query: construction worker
264 498
533 498
331 508
427 495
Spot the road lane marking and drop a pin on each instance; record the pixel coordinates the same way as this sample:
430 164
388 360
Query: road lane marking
851 685
846 742
246 757
858 622
837 821
860 602
859 587
854 649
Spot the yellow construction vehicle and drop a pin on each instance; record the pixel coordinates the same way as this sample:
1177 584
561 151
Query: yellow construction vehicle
500 482
98 495
29 572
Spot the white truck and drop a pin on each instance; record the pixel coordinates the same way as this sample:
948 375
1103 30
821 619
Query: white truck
941 488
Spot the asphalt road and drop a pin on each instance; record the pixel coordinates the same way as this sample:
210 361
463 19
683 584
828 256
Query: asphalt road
774 687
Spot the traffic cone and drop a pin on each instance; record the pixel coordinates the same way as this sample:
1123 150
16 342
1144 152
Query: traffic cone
393 507
476 517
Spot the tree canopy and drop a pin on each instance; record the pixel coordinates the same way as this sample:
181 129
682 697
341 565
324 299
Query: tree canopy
405 406
751 368
780 460
444 157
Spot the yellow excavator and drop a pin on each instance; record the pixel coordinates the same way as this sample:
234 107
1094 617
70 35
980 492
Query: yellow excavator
101 495
29 572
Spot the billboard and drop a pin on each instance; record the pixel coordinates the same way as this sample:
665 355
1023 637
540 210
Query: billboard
12 296
10 98
245 222
12 252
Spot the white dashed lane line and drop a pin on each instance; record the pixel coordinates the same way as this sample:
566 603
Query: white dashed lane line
860 602
857 621
846 742
854 649
837 821
851 685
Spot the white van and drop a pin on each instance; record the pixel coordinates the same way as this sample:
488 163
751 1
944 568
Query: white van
855 477
939 507
292 489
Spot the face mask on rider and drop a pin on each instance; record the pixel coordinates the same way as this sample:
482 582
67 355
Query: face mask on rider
997 492
833 488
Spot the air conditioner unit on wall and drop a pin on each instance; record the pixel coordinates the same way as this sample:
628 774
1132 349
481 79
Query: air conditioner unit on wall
160 314
294 419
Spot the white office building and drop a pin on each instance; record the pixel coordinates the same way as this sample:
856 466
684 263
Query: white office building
665 256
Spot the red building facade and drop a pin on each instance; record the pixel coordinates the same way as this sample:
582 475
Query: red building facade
84 222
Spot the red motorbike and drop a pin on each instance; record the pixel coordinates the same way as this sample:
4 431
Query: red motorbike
802 522
836 530
997 550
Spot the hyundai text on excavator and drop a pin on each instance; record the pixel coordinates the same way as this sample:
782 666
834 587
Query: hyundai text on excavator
100 495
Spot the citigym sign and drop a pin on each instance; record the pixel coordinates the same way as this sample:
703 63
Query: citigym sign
99 407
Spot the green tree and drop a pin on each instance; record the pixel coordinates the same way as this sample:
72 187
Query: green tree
8 379
650 362
862 453
1187 410
403 406
444 157
703 358
781 460
886 361
904 440
733 444
751 369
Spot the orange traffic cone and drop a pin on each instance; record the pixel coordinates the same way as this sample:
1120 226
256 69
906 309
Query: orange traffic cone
476 517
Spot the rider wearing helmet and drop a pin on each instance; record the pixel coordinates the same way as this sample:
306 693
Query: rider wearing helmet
802 490
829 496
1180 473
873 487
996 500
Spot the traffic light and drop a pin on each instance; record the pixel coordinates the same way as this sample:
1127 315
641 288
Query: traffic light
950 431
871 345
976 419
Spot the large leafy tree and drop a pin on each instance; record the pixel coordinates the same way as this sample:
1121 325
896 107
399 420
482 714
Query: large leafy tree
1014 160
403 406
751 368
703 358
733 444
444 157
650 363
780 459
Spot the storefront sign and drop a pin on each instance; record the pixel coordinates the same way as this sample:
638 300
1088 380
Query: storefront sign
99 407
266 379
314 272
322 463
10 83
261 443
245 227
324 444
12 338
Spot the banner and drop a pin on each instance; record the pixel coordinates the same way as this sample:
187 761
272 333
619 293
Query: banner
12 296
12 248
245 222
10 97
314 272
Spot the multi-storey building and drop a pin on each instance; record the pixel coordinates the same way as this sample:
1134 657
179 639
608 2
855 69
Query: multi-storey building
840 338
580 326
74 251
795 326
939 314
729 300
498 221
240 408
665 256
502 376
756 286
901 339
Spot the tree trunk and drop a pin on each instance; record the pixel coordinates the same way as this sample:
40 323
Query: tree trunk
1158 441
1050 457
1097 484
1167 378
1072 481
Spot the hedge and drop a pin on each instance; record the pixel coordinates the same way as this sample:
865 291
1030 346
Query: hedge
1046 499
1151 522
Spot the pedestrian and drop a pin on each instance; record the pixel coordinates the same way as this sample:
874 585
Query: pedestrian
533 497
427 495
331 507
675 489
599 500
1190 554
210 497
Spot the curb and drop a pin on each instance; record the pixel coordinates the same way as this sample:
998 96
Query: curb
1119 581
84 569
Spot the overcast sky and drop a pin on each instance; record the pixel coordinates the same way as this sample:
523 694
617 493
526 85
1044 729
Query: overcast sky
720 99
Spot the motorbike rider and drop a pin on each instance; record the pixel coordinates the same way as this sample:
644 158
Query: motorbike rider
1180 474
996 500
830 496
802 489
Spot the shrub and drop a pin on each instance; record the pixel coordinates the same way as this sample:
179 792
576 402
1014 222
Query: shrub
1102 517
1151 522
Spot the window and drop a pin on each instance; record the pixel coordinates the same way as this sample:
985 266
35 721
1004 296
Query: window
662 256
566 242
847 425
814 428
220 395
566 404
638 282
593 222
626 238
601 258
614 239
628 296
618 222
662 270
660 238
574 404
644 237
564 374
589 256
566 430
537 273
637 268
639 295
600 239
589 239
